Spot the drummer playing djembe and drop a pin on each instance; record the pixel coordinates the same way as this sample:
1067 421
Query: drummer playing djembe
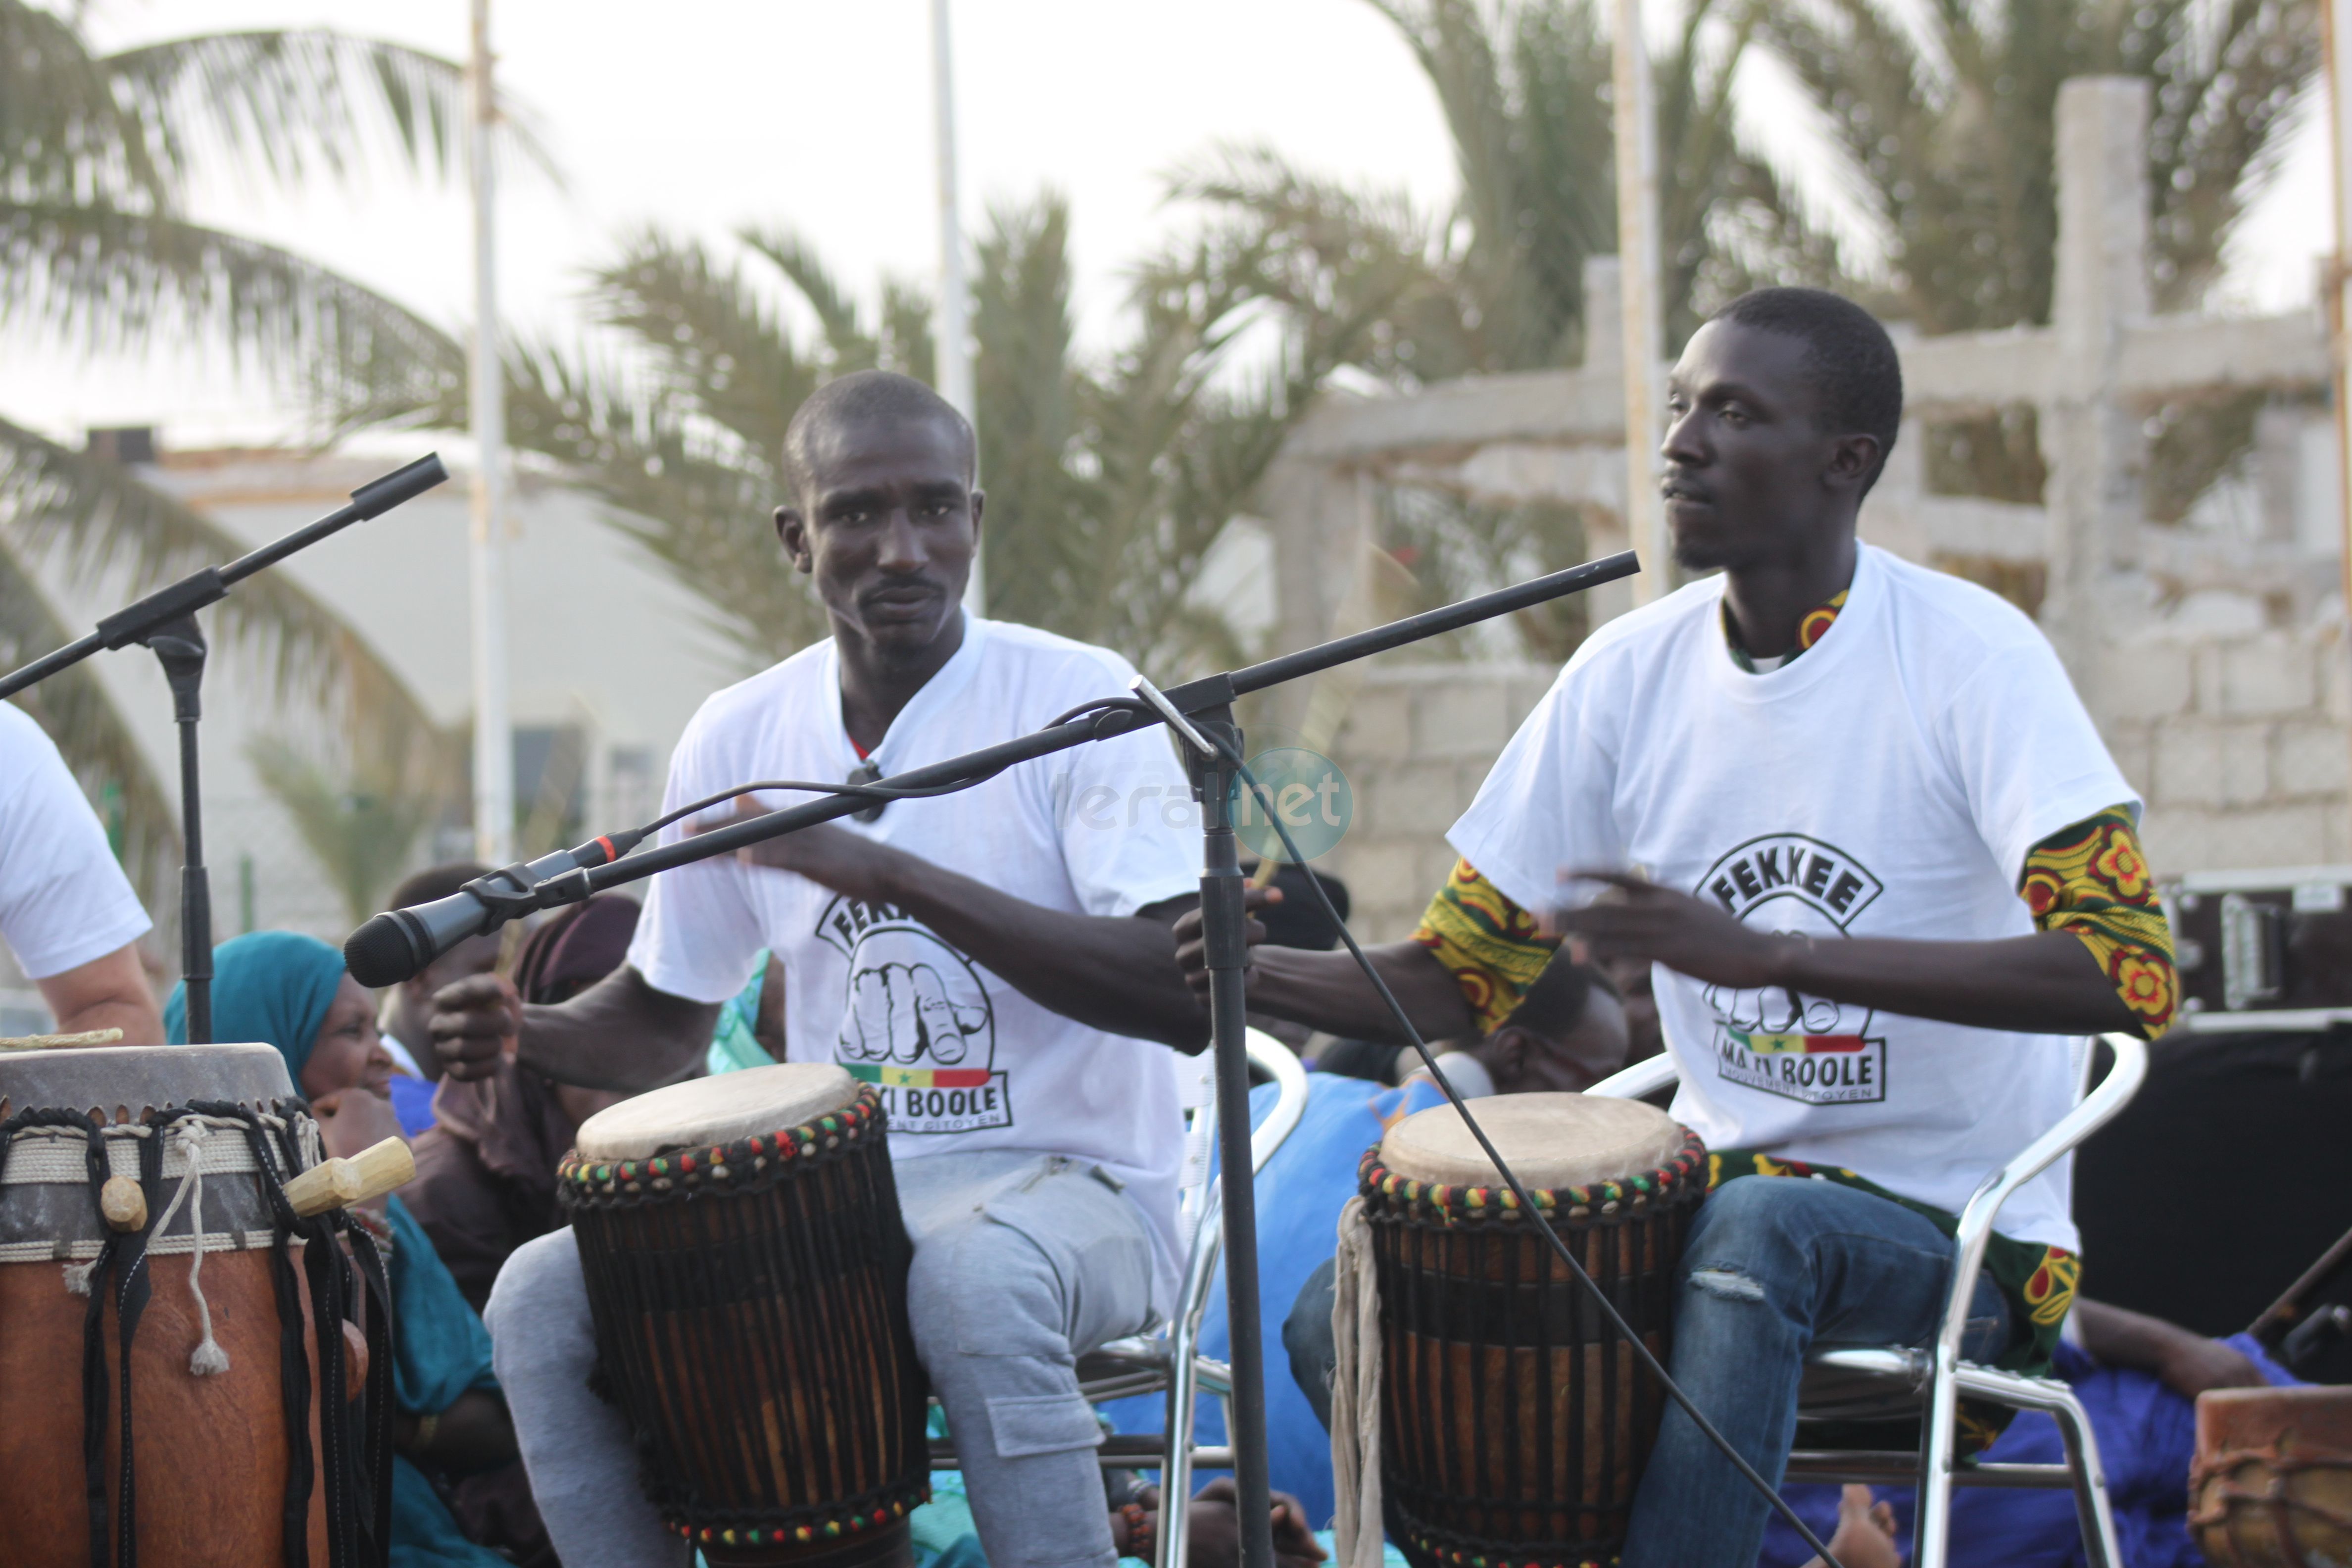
995 963
1856 817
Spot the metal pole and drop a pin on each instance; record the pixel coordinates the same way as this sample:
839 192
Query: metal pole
1637 124
954 347
1224 930
2336 28
493 737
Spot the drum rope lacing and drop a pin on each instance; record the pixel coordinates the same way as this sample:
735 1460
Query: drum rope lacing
193 1142
1526 1199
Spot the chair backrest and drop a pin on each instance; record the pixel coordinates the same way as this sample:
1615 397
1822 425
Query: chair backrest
1196 1189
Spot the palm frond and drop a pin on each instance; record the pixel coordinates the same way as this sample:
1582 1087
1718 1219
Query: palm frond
64 134
848 345
697 501
359 829
111 281
73 706
710 338
302 102
89 518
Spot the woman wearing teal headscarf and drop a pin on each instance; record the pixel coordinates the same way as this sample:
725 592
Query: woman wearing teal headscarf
283 989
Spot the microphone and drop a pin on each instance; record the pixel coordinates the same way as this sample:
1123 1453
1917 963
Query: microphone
399 944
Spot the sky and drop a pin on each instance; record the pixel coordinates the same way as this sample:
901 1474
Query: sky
816 115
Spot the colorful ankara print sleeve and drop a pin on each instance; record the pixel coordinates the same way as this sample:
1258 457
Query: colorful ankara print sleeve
2091 881
1493 948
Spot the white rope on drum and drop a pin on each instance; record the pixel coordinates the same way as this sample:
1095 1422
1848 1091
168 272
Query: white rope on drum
1358 1531
207 1360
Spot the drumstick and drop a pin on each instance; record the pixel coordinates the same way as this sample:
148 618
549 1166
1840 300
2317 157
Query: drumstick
341 1184
60 1042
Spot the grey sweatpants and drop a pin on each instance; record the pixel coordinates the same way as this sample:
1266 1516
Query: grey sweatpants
1023 1263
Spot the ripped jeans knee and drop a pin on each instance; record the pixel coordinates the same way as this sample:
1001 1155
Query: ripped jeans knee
1727 1284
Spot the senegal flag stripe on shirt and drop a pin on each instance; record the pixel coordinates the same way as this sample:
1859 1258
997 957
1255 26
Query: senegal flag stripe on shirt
1795 1045
919 1078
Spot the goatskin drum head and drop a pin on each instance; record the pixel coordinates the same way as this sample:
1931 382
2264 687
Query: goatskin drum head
1549 1140
722 1110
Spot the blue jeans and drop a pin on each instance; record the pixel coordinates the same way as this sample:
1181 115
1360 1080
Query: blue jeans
1773 1266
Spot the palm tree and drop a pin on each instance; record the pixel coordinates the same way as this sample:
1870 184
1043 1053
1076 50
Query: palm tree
1947 113
1107 485
1497 284
98 255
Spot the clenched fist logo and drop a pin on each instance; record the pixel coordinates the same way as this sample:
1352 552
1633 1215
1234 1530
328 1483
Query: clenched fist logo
902 1013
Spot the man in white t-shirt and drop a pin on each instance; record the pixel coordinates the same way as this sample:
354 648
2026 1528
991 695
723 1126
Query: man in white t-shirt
66 908
1853 814
997 962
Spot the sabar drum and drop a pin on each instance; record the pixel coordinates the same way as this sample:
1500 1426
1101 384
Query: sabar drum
1514 1419
2271 1484
747 1270
159 1369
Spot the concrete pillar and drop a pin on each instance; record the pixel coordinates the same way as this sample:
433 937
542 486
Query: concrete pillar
1320 517
2090 439
1604 345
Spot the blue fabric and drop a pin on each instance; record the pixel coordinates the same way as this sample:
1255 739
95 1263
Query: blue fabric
734 1040
440 1348
269 986
423 1533
1300 1194
439 1351
412 1102
2147 1436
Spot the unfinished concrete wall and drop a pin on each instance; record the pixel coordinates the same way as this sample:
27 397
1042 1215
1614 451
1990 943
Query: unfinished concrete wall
2211 648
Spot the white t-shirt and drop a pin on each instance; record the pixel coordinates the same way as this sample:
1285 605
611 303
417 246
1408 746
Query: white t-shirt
1888 783
63 900
963 1060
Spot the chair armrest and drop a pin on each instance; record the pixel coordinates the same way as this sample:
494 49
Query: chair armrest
1645 1076
2094 1110
1279 1062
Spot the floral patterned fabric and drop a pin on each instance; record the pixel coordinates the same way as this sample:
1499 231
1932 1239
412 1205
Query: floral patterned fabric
1493 948
2091 881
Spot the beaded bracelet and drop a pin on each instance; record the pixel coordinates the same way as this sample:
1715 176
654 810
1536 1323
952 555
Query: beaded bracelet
1139 1533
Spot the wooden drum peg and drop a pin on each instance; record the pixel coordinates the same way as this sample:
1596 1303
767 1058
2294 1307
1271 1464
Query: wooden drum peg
340 1184
124 1203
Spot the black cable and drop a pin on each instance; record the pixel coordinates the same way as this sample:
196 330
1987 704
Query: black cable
883 793
1511 1178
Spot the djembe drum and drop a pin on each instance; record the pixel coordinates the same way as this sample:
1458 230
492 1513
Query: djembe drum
2271 1483
160 1316
1514 1420
746 1268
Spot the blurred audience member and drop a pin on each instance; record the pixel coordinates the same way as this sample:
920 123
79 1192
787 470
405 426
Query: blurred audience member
486 1169
408 1005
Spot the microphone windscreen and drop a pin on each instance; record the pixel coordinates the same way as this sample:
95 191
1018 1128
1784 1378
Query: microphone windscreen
379 953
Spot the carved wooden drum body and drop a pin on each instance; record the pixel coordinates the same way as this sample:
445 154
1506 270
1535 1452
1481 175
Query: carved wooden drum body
1514 1420
746 1269
191 1406
2271 1485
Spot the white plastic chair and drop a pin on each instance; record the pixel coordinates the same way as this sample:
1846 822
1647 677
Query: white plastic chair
1169 1360
1876 1383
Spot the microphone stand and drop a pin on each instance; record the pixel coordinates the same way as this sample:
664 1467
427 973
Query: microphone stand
165 622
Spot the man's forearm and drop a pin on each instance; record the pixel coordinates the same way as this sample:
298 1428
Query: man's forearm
1327 991
619 1034
2044 983
1117 974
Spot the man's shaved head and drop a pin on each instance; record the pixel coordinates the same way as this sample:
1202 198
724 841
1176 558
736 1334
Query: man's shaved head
864 397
